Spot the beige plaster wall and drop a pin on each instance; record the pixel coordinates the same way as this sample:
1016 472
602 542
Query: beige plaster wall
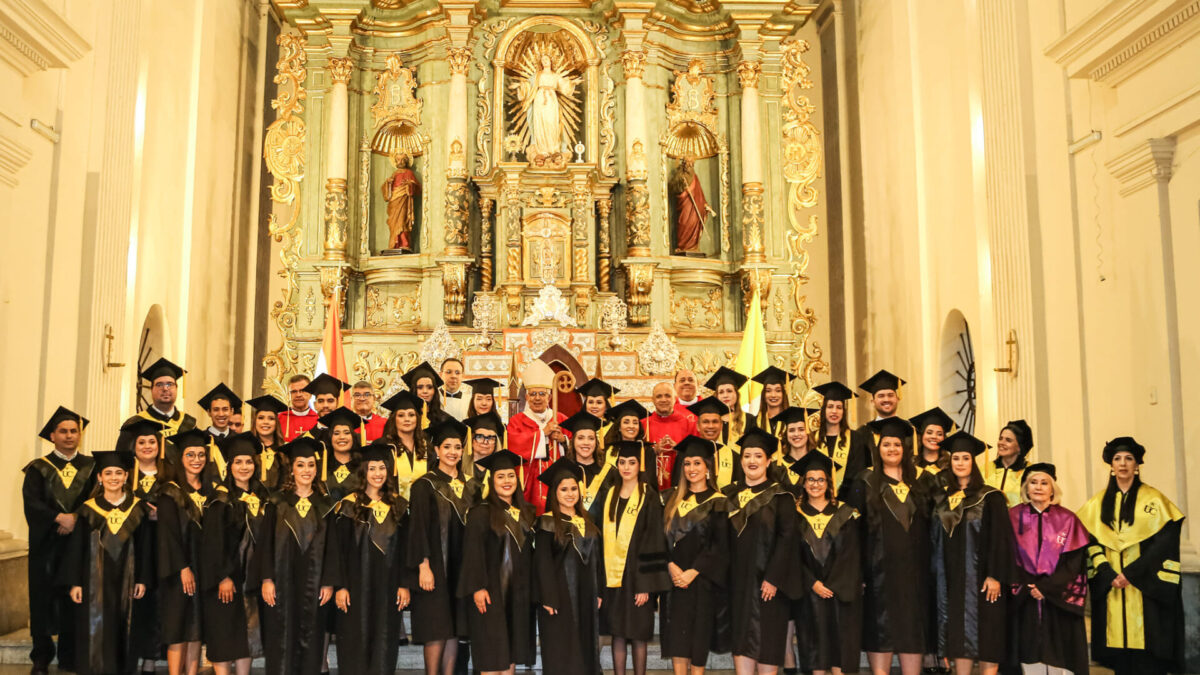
138 204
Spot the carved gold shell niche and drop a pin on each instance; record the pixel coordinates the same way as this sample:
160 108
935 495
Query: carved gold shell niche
397 111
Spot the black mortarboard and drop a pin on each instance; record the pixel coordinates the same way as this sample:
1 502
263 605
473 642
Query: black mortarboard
403 400
813 460
267 403
341 415
932 416
1040 467
379 452
628 449
489 420
140 426
483 385
835 391
881 381
245 443
1024 434
793 414
559 471
448 428
162 368
419 371
192 438
597 387
708 406
630 407
694 446
218 392
964 442
726 376
757 438
499 461
326 384
304 446
772 375
895 427
1123 443
582 420
61 415
122 459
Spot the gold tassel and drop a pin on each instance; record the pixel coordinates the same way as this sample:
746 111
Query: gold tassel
424 414
324 463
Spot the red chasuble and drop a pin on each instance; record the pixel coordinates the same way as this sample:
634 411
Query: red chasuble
374 427
678 425
524 435
293 425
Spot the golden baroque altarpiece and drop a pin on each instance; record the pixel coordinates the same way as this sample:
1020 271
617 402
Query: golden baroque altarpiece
522 151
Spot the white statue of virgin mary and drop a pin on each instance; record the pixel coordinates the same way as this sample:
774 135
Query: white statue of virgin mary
540 93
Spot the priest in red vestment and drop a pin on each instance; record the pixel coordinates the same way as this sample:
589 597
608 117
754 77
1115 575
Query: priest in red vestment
534 433
666 427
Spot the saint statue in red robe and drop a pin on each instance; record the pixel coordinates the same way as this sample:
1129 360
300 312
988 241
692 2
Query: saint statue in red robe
691 206
401 192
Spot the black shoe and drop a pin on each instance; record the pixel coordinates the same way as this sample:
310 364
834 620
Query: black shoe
40 669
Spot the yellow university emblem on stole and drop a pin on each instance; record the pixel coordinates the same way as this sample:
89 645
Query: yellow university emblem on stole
744 497
381 511
685 506
198 499
341 473
252 502
115 519
818 523
457 485
579 524
901 491
303 506
955 499
147 482
67 475
514 513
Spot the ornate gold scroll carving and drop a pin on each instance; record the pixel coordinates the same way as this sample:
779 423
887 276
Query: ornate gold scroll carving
485 243
604 246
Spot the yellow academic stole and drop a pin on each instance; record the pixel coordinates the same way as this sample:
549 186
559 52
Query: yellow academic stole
457 486
841 453
955 499
380 509
408 469
590 487
616 539
114 518
514 513
217 458
580 524
267 457
252 502
724 466
901 491
146 482
303 506
686 505
199 500
341 473
818 522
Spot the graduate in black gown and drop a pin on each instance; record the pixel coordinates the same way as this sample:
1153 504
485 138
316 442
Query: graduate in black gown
485 439
584 449
635 557
835 437
343 443
186 495
826 582
794 443
1133 569
107 567
264 425
895 510
772 400
932 427
568 575
437 520
762 516
973 562
234 533
727 462
293 566
54 487
625 420
497 570
424 382
146 442
1048 634
367 569
404 435
696 521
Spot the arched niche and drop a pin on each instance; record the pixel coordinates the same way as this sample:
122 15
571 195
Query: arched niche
152 345
956 371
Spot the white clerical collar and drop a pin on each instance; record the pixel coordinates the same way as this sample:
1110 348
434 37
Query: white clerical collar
662 416
306 413
689 403
166 413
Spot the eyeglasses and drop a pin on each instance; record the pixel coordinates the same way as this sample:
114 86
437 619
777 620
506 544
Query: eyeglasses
815 481
485 438
538 392
164 385
362 395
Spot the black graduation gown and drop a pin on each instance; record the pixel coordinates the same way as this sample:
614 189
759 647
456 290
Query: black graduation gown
763 521
225 627
695 620
645 569
107 565
46 493
502 564
367 559
972 540
273 467
599 476
568 576
180 540
176 423
849 460
828 631
147 643
293 557
895 564
342 479
250 511
437 521
780 471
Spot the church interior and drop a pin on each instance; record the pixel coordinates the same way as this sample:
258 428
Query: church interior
996 200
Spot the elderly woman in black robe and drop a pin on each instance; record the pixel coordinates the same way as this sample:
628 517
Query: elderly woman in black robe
972 562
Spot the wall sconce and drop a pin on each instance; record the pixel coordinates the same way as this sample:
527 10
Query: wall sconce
1013 352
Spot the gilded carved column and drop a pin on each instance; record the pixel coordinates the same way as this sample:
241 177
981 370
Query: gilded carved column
336 206
604 246
513 280
457 206
640 275
755 275
485 244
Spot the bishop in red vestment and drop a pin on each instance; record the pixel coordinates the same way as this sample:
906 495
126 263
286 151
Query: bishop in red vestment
534 434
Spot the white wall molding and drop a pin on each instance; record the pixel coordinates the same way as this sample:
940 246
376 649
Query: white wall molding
1124 36
1141 165
13 157
34 37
